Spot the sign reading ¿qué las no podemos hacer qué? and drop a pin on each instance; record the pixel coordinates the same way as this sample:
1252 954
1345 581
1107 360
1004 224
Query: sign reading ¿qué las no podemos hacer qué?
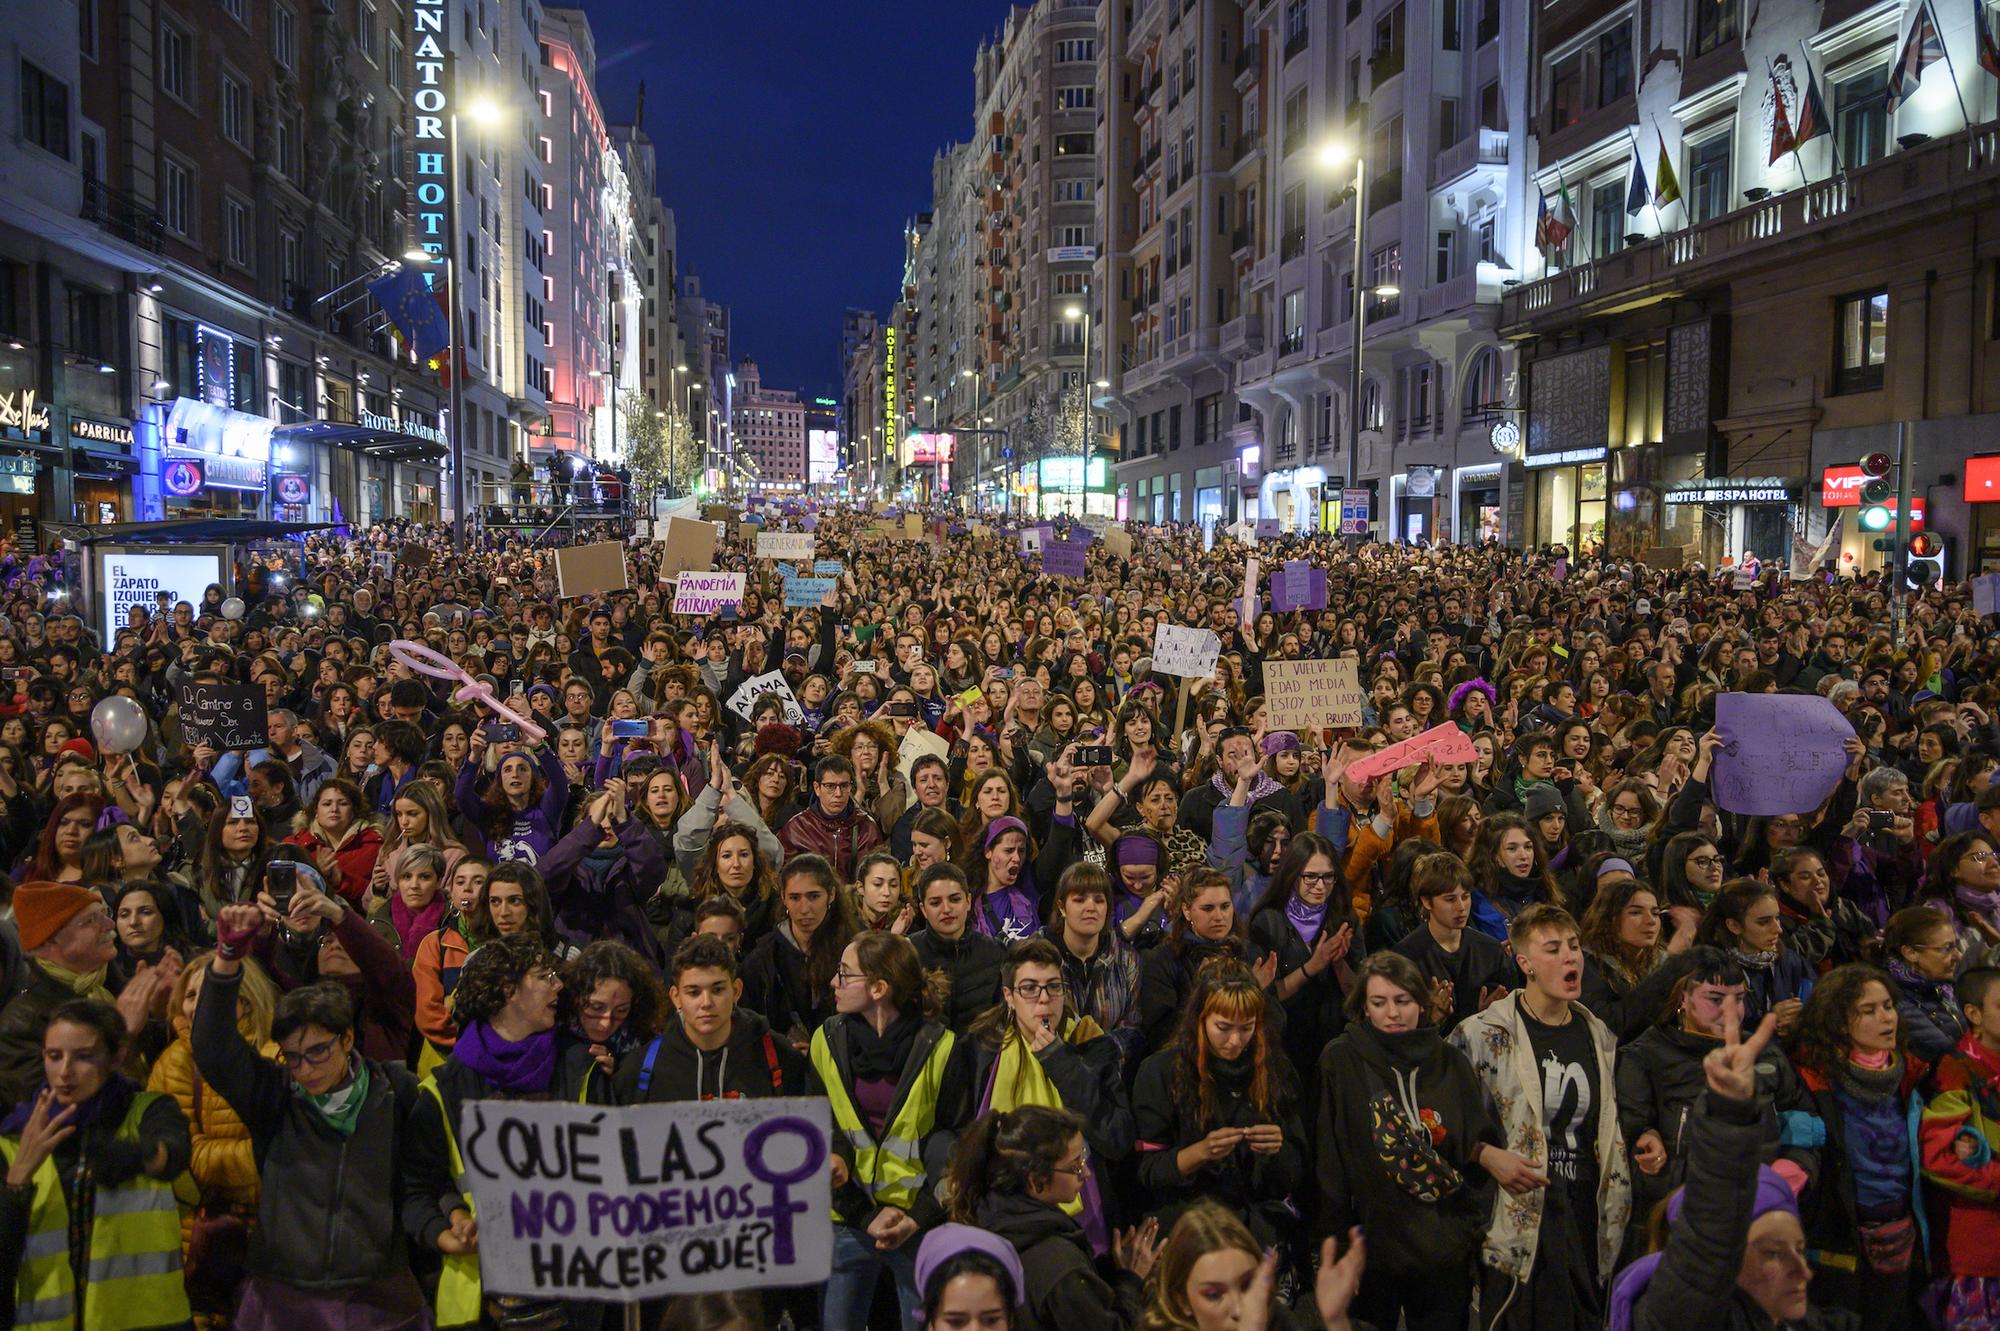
593 1202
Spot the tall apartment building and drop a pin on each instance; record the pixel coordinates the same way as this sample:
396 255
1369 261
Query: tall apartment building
1429 98
1781 317
659 349
861 334
770 426
1182 148
1036 100
710 379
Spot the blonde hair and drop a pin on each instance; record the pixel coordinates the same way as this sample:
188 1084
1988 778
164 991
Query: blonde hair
256 992
1203 1228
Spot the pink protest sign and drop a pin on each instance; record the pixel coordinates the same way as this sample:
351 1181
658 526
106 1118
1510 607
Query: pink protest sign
1445 744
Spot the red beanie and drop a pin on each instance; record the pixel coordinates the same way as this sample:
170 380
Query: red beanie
42 909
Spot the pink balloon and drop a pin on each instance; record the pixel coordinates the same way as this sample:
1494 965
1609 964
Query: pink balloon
424 661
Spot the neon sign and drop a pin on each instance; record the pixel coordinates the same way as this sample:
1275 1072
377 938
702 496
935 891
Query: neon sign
432 106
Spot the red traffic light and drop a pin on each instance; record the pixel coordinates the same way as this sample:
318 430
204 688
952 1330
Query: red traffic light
1923 545
1877 464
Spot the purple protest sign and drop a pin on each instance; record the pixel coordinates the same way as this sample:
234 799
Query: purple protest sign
1064 559
1267 529
1781 753
1299 586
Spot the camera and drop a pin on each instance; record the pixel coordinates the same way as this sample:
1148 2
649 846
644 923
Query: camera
902 709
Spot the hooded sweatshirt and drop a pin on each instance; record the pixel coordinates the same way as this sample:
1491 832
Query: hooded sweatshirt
753 1064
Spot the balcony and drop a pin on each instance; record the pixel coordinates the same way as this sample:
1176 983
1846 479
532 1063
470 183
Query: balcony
1449 296
1489 24
1384 65
1246 144
123 215
1241 240
1876 200
1384 190
1292 344
1247 62
1297 42
1481 148
1242 336
1293 245
1253 369
1264 272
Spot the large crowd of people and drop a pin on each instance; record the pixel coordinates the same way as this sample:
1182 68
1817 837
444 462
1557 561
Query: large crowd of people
1130 1009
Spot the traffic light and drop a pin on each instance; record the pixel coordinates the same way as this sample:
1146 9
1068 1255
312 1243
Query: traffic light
1924 560
1876 489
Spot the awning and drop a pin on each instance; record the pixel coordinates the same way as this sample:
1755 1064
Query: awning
384 445
185 530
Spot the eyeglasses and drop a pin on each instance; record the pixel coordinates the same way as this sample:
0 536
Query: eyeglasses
836 787
1081 1169
1628 810
848 977
1321 879
1954 947
1706 861
1980 856
309 1057
1031 991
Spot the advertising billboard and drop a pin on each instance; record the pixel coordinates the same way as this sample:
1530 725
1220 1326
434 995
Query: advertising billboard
822 455
125 576
921 449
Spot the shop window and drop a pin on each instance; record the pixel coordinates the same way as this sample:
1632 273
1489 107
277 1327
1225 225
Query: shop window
1862 330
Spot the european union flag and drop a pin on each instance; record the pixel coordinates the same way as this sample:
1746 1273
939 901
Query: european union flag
415 311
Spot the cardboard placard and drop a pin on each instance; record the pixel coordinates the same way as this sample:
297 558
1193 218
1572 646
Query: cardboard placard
917 741
827 568
224 716
744 700
591 570
689 545
1118 541
701 593
1301 695
414 556
1064 559
1781 753
785 545
591 1202
1187 652
913 526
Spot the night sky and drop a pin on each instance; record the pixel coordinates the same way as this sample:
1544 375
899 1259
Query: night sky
795 139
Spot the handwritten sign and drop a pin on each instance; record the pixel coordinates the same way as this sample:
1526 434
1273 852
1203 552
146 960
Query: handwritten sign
1267 529
1445 744
801 592
223 716
706 593
917 741
1031 540
1186 652
1781 753
1299 586
744 701
785 545
586 570
827 568
1300 695
1064 559
589 1202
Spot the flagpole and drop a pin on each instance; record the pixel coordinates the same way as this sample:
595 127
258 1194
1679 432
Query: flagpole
1563 187
1638 156
1778 96
1678 192
1944 49
1832 139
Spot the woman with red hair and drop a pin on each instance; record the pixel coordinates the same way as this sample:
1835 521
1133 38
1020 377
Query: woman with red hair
58 856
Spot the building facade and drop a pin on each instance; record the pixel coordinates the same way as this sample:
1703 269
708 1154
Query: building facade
770 430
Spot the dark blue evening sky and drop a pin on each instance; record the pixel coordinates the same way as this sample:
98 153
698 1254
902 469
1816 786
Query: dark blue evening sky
795 139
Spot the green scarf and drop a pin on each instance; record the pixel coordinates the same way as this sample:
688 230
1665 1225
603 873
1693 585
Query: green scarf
85 984
1522 786
342 1108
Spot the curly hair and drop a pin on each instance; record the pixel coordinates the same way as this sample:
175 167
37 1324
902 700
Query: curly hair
493 972
1822 1043
1011 1151
609 959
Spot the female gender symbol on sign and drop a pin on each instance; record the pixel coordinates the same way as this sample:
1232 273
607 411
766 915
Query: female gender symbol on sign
424 661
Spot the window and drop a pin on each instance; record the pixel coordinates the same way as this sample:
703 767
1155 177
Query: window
176 61
291 259
1447 123
86 29
1566 91
1861 118
1481 398
236 110
1448 26
290 160
238 9
1294 326
44 110
1614 64
1607 219
1487 252
1708 178
1863 329
1076 50
1298 27
1492 111
1714 24
366 22
1293 243
1385 269
236 231
1489 20
177 197
1075 235
1417 398
1385 185
395 65
284 35
1385 59
1080 97
1295 122
1447 248
1371 405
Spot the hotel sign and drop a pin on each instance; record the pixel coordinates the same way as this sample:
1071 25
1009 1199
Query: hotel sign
1731 490
892 420
416 429
432 111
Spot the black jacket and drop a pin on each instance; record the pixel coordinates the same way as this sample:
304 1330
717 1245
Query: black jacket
1695 1283
1256 1187
1066 1291
1088 1077
1481 962
328 1215
1629 1009
1316 1012
775 985
1362 1075
972 960
755 1064
1166 977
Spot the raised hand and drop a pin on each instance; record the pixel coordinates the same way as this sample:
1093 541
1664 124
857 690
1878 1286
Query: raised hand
1731 1067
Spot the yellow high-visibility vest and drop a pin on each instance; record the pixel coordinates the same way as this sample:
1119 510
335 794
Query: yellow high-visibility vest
133 1273
889 1169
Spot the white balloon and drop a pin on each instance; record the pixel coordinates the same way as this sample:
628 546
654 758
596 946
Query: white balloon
119 724
233 608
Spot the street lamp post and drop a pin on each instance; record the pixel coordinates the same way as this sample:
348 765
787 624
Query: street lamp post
1082 312
1330 155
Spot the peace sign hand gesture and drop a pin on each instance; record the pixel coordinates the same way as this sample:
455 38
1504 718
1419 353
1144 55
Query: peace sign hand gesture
1731 1068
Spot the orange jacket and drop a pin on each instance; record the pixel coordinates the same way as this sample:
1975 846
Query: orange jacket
435 968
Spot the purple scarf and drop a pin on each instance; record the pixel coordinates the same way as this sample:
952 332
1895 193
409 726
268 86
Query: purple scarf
517 1067
1305 919
1986 903
1265 785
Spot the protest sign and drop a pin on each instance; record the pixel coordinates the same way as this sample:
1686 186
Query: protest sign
1186 652
1118 541
717 513
1246 609
913 526
979 530
744 700
785 545
1986 594
1031 541
802 592
689 545
918 741
1064 559
414 556
786 571
587 570
1298 586
615 1205
1301 695
1267 529
827 568
1444 744
223 716
1781 753
705 593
